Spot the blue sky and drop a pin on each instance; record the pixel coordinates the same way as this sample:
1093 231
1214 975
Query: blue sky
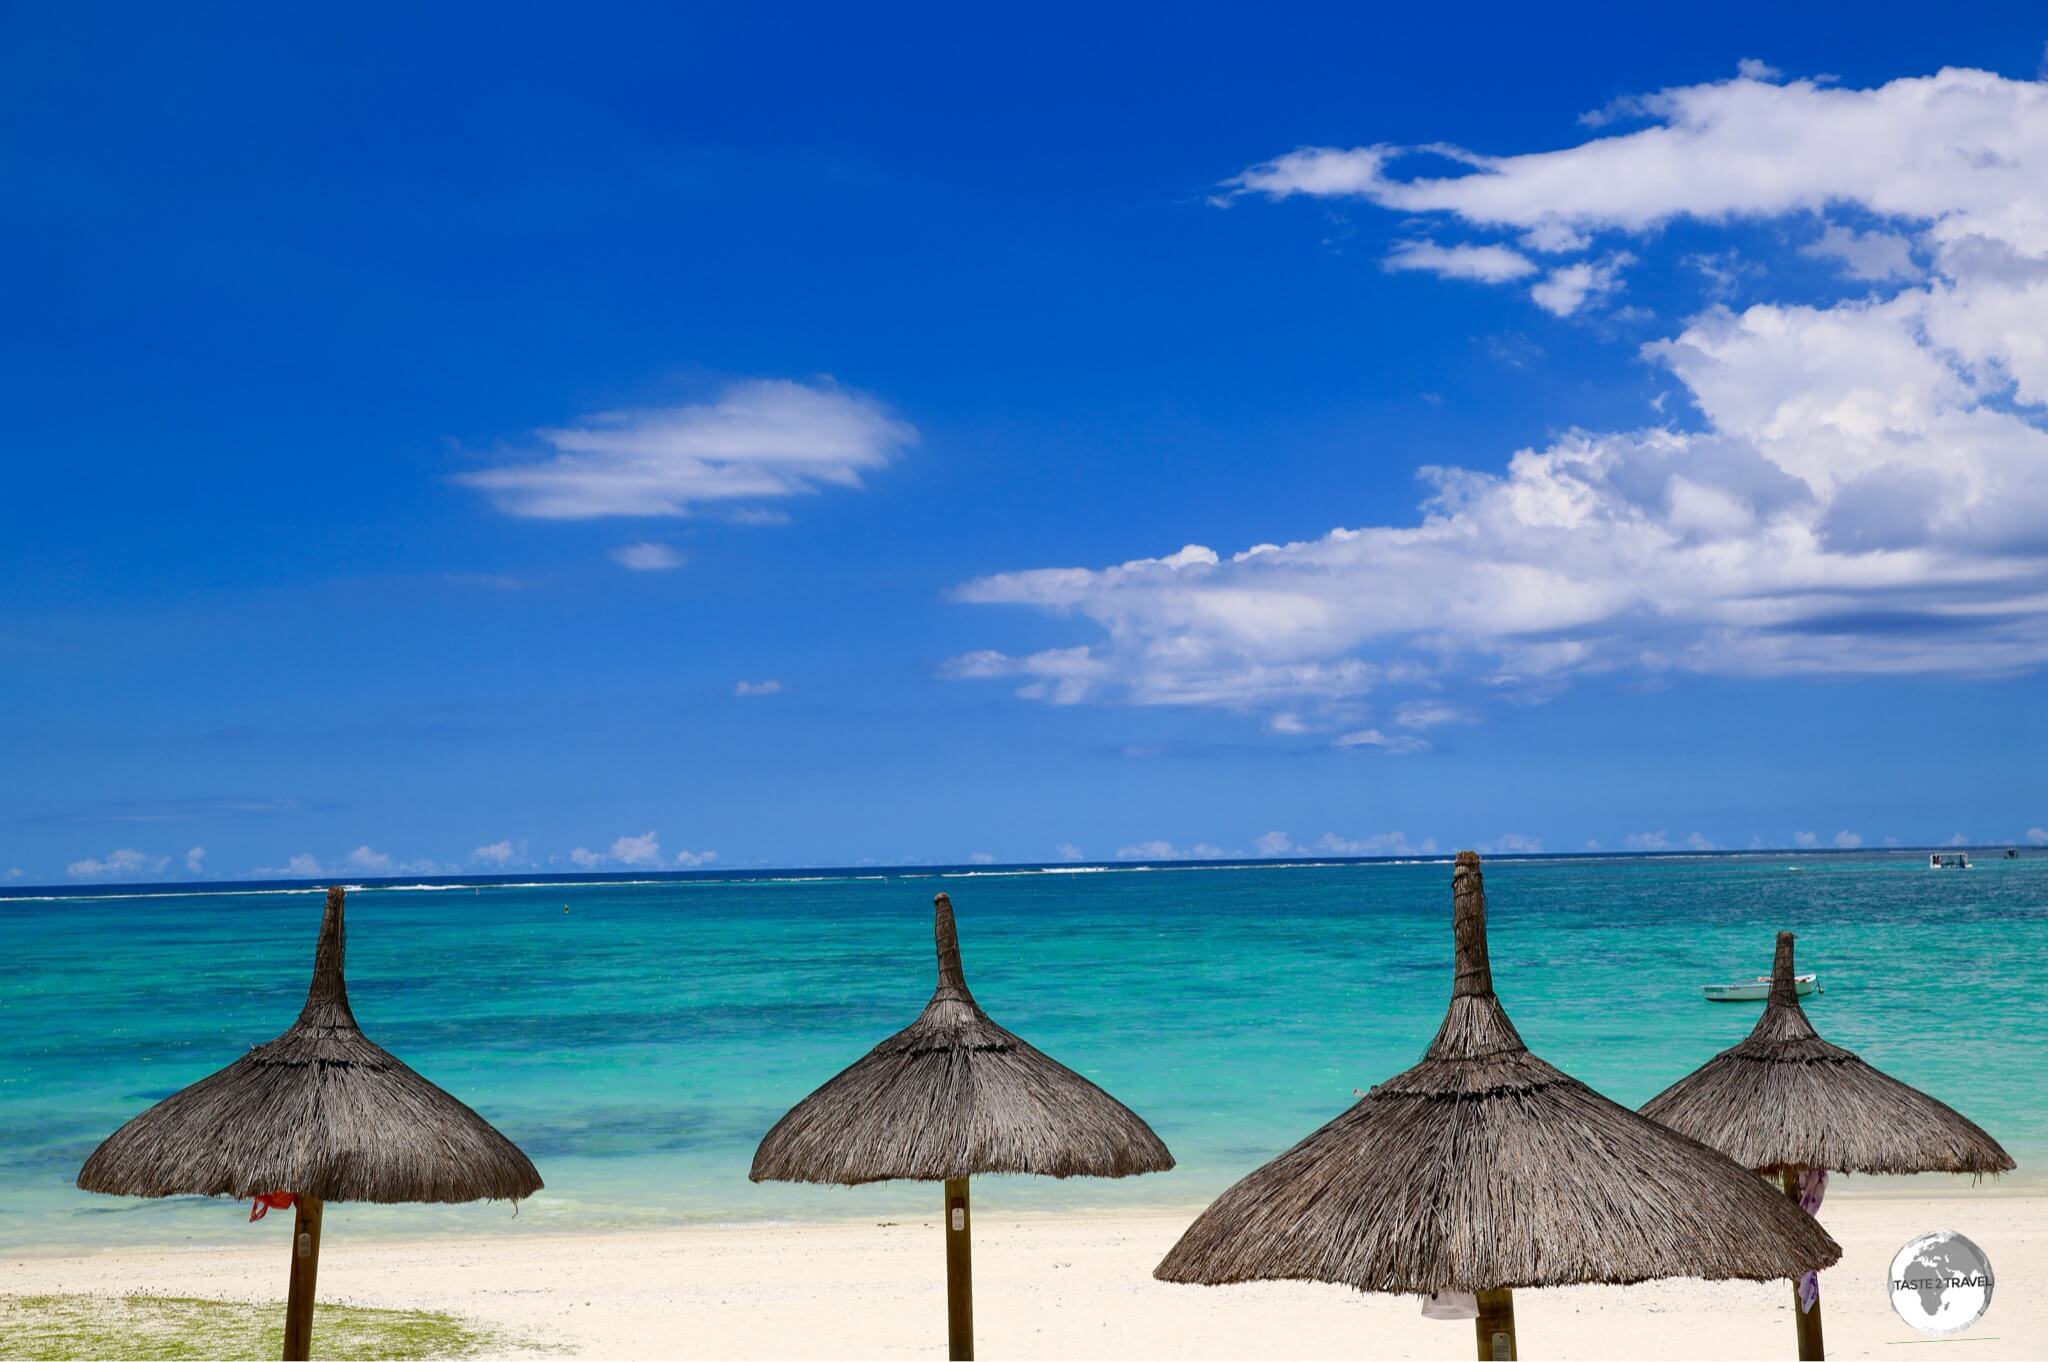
518 438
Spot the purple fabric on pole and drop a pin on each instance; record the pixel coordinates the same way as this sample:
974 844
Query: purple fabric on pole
1813 1185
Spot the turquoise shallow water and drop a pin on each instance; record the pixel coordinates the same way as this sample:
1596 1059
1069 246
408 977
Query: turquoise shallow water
638 1046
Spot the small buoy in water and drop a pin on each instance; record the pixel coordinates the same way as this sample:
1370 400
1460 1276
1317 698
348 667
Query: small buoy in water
565 907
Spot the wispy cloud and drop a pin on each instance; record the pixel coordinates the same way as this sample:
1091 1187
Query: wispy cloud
1162 850
173 810
1486 264
768 687
1569 288
304 866
1427 714
1276 844
1514 844
1865 255
761 440
647 557
1372 740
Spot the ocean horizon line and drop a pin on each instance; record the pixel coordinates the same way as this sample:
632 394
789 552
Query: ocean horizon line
808 874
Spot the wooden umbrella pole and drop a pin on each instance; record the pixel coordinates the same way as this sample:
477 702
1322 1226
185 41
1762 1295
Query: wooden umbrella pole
1496 1325
298 1310
959 1274
1808 1321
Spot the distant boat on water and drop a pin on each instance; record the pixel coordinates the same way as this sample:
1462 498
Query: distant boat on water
1947 860
1757 989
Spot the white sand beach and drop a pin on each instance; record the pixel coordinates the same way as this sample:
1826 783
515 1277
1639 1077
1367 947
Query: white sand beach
1076 1286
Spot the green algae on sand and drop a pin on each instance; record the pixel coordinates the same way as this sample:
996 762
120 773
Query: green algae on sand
50 1327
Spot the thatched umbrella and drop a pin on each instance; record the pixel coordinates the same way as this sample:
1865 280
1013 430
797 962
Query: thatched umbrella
320 1114
1483 1169
1790 1105
950 1095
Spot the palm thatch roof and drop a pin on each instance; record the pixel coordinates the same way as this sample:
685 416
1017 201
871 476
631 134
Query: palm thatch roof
1786 1098
1484 1168
320 1112
951 1095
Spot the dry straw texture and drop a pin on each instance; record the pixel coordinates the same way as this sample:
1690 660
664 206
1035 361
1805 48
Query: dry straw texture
1786 1098
1483 1167
320 1111
954 1094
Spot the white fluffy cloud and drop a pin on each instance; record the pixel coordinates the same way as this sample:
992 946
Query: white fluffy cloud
2038 836
760 440
1848 841
195 861
642 850
639 852
1862 486
125 864
501 854
368 860
372 862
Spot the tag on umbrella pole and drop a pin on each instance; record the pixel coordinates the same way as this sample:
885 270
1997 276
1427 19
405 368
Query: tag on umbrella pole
305 1245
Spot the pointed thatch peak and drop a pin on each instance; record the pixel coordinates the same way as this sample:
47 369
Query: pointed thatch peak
954 1094
320 1111
1483 1167
1784 1028
1475 1026
327 996
952 994
1786 1098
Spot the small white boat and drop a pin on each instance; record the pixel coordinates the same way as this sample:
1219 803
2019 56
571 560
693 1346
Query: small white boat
1948 860
1757 989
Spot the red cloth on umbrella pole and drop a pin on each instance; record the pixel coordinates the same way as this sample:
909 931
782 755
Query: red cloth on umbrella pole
266 1202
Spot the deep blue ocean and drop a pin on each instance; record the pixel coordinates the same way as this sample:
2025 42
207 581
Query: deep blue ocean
638 1045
